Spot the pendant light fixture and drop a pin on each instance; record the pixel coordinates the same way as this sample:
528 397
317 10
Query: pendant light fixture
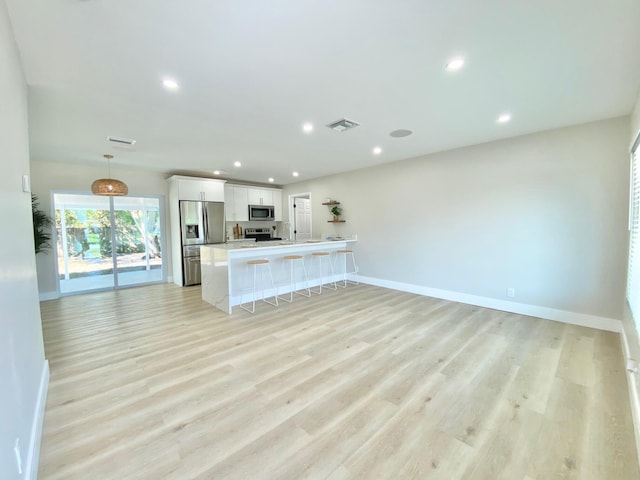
109 186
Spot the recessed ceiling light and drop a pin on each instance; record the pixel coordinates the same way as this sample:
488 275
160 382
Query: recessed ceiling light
377 151
455 64
170 84
295 174
271 180
307 127
237 163
216 172
504 118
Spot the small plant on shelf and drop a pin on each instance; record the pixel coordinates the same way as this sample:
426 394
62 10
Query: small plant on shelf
336 211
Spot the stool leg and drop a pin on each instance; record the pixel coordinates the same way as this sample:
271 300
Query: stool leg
319 290
355 269
273 288
344 271
253 303
306 281
333 275
291 283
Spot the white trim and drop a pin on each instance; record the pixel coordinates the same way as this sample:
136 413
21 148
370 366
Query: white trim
33 455
573 318
48 296
632 384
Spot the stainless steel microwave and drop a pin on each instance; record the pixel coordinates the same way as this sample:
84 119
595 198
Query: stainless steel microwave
261 212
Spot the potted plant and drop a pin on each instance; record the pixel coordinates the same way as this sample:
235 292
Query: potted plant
336 211
41 227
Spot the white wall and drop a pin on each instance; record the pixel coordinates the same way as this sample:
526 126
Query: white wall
48 176
22 362
545 214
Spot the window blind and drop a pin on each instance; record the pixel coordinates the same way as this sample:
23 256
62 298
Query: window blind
633 275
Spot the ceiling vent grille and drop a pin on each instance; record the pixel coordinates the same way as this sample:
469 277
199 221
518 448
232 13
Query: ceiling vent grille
343 125
121 140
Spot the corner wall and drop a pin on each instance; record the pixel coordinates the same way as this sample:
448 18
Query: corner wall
545 214
23 369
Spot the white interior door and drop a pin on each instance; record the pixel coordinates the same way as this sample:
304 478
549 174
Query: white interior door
302 218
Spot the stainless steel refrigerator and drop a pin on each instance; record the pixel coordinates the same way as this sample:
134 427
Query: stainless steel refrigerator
201 223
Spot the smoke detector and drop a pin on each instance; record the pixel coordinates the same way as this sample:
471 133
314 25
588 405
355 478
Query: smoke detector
121 140
342 125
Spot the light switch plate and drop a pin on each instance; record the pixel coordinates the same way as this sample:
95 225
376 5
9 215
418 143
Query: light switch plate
26 184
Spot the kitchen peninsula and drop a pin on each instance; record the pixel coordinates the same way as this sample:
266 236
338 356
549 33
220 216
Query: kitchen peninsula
225 274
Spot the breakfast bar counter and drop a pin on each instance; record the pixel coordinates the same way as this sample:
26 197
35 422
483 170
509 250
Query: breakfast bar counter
227 279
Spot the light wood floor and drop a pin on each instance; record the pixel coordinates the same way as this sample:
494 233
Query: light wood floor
366 383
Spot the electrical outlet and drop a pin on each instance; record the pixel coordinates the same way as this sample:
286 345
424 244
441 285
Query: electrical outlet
511 292
16 451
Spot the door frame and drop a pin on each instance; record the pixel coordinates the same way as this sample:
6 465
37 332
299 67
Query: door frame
163 241
290 225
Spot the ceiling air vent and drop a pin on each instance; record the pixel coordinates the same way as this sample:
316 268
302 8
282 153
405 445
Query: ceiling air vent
121 140
342 125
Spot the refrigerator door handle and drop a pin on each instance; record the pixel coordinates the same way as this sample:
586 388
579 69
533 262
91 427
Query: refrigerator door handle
205 224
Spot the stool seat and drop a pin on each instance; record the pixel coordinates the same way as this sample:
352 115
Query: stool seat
320 254
259 262
293 257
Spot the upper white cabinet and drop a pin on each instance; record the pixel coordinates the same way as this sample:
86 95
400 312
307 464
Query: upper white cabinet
199 189
237 199
236 203
260 196
277 204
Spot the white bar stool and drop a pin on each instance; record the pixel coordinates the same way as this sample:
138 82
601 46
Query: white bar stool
293 259
348 253
255 264
320 256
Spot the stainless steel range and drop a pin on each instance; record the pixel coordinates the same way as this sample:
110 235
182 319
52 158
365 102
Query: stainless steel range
260 234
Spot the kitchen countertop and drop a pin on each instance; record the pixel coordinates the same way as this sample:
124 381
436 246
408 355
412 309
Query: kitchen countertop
250 245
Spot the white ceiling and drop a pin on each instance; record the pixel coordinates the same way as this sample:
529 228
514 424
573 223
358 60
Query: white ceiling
251 72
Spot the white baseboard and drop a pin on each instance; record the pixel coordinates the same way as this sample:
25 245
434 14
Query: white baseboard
33 455
48 296
573 318
632 386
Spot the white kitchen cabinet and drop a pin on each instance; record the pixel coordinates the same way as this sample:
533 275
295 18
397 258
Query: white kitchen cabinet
260 196
277 204
237 199
228 203
236 203
199 189
240 204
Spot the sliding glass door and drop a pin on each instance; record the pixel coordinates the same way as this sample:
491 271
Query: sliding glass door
104 242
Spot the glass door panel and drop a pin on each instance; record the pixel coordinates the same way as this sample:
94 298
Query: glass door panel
88 227
138 240
83 241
